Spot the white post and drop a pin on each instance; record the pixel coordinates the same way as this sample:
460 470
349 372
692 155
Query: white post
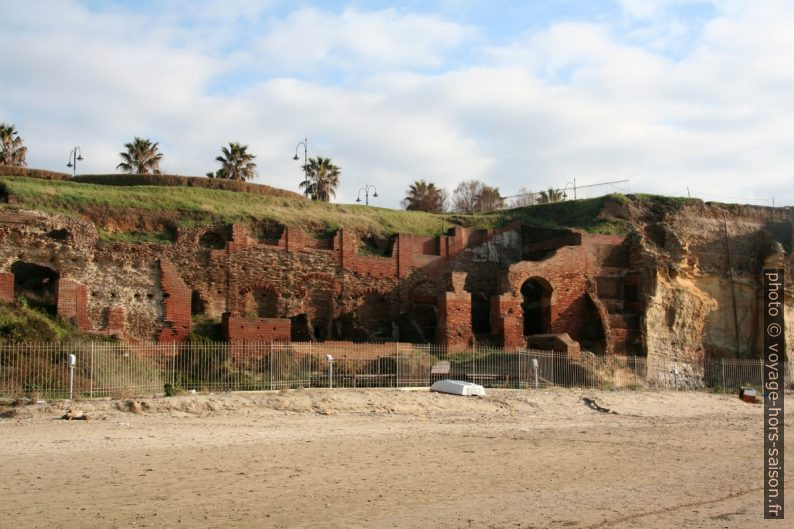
535 369
72 362
330 370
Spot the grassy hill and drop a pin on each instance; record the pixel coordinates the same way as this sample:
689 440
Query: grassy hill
152 213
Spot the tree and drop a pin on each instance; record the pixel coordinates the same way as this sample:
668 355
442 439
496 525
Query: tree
12 152
423 196
489 199
141 157
236 163
465 196
473 195
525 197
551 195
322 179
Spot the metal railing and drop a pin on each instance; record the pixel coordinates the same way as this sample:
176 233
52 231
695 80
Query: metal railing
125 370
622 187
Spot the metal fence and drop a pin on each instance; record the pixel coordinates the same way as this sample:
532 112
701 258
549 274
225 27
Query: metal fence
569 192
125 370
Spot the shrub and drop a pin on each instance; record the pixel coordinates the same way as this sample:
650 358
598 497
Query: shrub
13 170
186 181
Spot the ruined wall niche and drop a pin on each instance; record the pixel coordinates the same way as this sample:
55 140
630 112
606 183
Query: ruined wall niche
536 304
215 238
376 245
266 231
373 320
423 299
36 283
480 314
198 307
261 301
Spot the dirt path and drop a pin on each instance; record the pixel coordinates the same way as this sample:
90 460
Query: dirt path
386 458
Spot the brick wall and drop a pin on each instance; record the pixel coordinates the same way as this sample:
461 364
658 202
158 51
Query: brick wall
240 329
507 320
176 304
6 286
72 302
116 321
454 314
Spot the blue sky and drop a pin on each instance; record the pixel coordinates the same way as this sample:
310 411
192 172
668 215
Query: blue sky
676 96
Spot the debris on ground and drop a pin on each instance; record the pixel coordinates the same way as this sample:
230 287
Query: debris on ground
748 395
74 415
591 403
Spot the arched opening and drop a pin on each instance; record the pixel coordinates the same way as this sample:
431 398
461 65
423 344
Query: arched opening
536 306
320 312
37 284
261 302
480 314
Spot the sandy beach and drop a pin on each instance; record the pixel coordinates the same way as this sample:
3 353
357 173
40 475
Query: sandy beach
387 458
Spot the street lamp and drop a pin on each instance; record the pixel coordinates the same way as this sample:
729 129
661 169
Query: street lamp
366 189
305 144
74 156
565 190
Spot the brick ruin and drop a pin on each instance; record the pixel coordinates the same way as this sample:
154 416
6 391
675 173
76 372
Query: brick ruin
464 287
506 287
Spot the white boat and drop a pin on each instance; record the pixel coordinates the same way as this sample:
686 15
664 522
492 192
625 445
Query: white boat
458 387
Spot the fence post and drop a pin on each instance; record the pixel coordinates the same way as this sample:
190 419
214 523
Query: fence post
173 365
519 367
722 365
397 376
91 374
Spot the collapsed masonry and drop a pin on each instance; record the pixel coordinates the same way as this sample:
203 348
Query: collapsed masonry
508 287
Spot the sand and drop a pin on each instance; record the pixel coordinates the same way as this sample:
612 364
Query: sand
388 458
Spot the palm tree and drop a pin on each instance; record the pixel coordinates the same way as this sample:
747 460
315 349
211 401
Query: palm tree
237 164
551 195
141 157
12 152
423 196
322 179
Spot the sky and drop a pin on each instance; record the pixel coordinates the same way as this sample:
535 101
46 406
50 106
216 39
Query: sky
678 97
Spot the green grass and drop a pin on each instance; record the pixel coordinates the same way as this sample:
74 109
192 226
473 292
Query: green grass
21 323
152 213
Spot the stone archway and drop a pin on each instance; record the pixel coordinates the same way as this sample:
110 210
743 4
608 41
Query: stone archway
536 304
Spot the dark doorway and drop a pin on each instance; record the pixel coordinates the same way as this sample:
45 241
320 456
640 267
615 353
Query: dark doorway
537 306
197 305
37 284
480 314
424 309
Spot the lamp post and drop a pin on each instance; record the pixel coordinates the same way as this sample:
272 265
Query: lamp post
74 156
573 186
305 144
366 189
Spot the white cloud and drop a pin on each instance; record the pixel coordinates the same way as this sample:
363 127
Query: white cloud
310 39
574 100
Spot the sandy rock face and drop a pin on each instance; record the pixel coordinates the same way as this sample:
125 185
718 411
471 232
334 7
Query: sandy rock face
697 296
